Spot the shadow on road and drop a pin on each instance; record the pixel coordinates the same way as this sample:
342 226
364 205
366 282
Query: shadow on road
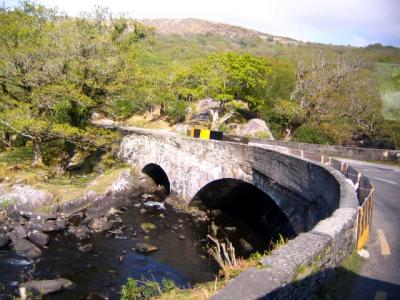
338 287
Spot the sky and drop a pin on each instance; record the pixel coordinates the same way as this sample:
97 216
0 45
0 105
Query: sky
341 22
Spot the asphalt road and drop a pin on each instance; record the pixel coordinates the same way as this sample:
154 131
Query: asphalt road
380 275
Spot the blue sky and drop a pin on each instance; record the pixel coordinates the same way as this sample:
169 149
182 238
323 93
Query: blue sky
353 22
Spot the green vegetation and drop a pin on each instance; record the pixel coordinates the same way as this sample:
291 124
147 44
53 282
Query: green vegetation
309 134
7 203
147 226
56 70
16 165
137 290
339 286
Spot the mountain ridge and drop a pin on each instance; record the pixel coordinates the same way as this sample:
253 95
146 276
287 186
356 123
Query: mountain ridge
190 26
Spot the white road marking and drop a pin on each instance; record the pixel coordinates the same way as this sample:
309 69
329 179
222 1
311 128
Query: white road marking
385 249
380 296
385 180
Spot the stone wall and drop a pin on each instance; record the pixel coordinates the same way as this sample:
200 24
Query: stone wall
297 269
368 154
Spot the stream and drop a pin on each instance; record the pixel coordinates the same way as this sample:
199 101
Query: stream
100 272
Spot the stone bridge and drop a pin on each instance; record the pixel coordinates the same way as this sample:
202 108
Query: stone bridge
316 199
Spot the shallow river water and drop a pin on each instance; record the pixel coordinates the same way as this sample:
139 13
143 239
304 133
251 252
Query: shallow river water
102 271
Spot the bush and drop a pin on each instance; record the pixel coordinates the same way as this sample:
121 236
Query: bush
337 133
176 110
309 134
389 131
123 107
138 290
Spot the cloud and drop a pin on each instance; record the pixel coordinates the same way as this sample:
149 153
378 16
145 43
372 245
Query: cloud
329 21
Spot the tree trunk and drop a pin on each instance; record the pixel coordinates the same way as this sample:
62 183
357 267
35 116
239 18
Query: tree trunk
63 163
69 152
37 151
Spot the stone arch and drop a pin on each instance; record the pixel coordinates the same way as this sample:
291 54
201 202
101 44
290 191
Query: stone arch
158 175
244 201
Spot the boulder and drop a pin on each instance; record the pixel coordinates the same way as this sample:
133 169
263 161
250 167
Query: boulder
200 112
100 224
230 229
76 218
44 287
4 240
206 104
86 248
38 238
24 247
101 119
254 128
26 198
82 232
71 229
20 232
145 248
53 225
245 245
181 128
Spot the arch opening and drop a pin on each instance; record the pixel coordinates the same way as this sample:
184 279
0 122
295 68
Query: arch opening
256 216
158 175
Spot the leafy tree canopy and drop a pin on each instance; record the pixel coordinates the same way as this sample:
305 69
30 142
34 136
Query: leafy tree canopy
55 70
225 77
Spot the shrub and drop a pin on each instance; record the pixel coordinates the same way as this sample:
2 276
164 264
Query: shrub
309 134
176 110
135 289
147 226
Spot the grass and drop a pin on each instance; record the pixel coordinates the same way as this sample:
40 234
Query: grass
147 226
16 155
147 121
6 203
64 191
205 290
340 285
16 166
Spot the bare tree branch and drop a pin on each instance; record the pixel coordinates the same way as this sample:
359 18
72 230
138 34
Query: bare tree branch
16 130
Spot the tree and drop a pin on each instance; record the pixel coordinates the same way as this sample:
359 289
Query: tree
225 77
54 71
329 89
228 76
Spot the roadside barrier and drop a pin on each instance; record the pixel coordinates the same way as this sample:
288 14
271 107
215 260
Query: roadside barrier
364 189
206 134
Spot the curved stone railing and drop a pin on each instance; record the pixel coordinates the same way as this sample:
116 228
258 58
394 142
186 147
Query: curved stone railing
297 269
363 186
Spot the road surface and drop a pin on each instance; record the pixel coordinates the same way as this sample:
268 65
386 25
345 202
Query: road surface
380 275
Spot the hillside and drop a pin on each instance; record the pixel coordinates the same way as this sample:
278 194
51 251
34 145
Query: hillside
180 44
195 26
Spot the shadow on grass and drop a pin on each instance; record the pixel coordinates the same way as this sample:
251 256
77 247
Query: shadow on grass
341 284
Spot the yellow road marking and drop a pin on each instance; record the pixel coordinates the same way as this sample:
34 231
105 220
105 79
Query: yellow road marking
380 296
385 249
